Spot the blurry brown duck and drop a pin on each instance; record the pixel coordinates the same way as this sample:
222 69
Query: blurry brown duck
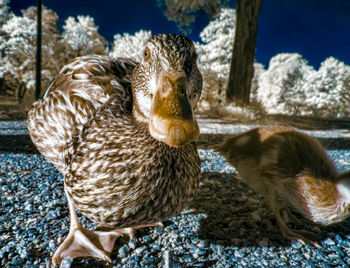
122 134
293 171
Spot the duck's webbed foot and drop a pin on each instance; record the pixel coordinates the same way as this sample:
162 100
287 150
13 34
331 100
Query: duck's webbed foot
82 242
130 231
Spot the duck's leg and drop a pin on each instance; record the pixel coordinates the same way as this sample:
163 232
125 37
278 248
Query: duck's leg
281 209
288 216
82 242
130 231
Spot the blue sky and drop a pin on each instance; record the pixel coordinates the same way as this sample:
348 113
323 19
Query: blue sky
316 29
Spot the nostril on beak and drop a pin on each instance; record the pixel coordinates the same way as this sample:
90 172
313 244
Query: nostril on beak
166 86
173 82
165 90
182 90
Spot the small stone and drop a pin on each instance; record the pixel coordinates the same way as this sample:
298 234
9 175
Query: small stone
238 254
52 244
146 239
23 253
202 244
28 207
17 262
297 244
328 242
346 243
187 258
123 251
138 251
196 252
66 263
150 260
132 243
124 260
156 246
338 238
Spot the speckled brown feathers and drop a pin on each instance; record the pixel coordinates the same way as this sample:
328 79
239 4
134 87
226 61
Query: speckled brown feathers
146 180
73 97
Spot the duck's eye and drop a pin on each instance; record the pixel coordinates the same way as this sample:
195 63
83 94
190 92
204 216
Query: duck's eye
146 54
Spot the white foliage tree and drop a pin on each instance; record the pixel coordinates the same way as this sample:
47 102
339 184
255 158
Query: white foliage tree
82 36
19 50
217 38
290 86
331 87
128 46
282 88
214 57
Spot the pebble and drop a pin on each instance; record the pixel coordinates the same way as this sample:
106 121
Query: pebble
196 252
238 254
328 242
202 244
133 243
187 258
66 263
52 245
138 251
297 244
123 251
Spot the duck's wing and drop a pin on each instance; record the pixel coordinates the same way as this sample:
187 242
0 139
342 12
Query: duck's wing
75 94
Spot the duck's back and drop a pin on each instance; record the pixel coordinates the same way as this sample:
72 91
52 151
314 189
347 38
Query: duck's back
296 152
276 152
75 94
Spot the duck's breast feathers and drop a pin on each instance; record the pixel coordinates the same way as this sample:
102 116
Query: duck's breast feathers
72 98
118 156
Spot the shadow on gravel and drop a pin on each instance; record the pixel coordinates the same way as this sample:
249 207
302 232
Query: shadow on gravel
237 216
17 144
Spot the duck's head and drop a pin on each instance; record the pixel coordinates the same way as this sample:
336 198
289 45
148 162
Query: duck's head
166 88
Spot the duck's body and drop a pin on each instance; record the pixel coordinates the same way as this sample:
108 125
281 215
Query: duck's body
293 171
122 134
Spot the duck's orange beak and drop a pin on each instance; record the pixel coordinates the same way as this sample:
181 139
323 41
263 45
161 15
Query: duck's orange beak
172 120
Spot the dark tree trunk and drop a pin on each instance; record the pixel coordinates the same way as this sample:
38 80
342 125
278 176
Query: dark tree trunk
2 86
242 62
38 53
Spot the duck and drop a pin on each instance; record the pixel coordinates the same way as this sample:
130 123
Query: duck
292 170
123 135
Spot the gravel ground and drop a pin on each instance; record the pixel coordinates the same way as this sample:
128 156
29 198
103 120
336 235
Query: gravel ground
226 225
